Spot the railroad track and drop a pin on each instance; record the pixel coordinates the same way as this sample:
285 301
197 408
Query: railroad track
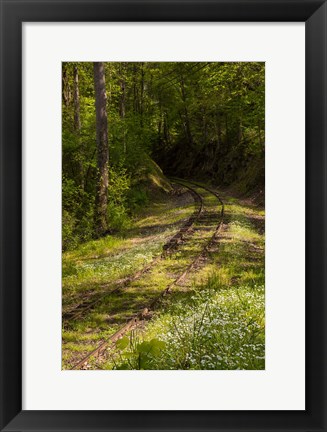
145 311
171 245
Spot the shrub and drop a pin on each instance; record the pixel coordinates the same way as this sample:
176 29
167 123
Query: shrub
137 198
118 217
69 238
119 186
142 355
219 327
77 215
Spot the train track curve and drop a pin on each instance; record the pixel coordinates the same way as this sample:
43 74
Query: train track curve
171 245
144 312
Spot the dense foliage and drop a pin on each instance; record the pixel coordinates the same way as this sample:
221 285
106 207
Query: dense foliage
215 331
199 120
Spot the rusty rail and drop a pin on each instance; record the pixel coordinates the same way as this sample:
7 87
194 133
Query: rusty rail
168 247
145 310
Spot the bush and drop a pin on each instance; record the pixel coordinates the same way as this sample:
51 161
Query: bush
218 328
69 238
137 198
142 355
77 215
118 217
119 186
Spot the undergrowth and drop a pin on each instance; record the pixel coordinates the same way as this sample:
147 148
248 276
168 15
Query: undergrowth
218 328
220 322
215 320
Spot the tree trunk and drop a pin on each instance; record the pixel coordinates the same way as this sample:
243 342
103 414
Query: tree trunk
186 115
135 95
142 93
101 202
122 105
77 125
219 140
166 131
204 127
65 85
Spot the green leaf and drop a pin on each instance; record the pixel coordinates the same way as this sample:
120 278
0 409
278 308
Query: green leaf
156 346
127 355
123 366
122 343
143 347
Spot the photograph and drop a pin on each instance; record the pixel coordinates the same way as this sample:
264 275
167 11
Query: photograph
164 204
163 215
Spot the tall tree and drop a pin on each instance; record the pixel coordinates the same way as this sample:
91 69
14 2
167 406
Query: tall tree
122 104
77 125
65 85
186 117
193 119
101 202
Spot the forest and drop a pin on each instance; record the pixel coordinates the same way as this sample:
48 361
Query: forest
163 177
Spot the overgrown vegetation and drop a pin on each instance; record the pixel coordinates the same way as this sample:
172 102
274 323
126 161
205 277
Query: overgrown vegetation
203 118
213 321
219 322
218 328
125 127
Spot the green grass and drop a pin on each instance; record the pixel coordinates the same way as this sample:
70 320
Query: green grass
213 320
219 321
93 269
94 249
217 328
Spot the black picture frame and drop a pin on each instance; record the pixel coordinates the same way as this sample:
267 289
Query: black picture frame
13 14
